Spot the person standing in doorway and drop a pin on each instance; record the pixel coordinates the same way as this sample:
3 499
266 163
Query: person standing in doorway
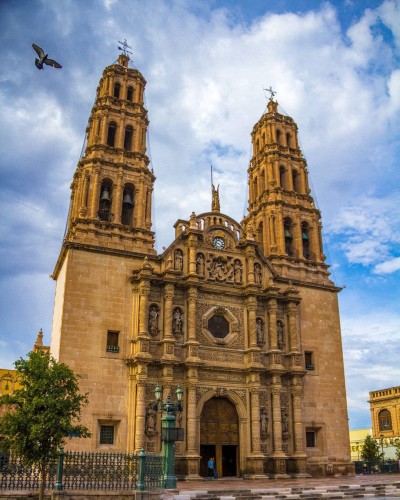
211 468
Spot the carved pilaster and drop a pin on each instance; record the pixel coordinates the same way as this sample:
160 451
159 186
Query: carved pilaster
292 317
272 309
140 416
169 290
251 305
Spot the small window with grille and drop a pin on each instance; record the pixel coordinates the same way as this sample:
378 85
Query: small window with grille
112 341
107 434
309 360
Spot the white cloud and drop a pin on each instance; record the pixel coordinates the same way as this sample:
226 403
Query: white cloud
368 228
390 266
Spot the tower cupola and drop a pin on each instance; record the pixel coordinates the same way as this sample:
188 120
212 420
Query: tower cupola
112 185
282 214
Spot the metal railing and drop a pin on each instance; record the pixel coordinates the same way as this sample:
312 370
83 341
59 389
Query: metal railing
86 471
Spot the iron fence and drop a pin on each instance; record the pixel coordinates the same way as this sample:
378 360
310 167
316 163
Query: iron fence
86 471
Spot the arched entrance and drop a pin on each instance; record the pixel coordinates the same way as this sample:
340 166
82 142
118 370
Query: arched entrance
219 437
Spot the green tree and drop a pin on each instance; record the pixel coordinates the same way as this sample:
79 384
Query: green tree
371 450
396 445
41 415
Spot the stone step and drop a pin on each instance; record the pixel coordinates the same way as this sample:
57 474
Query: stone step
295 493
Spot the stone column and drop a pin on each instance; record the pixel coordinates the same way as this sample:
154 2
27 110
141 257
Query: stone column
272 309
192 254
192 307
168 303
299 452
117 200
119 140
144 293
94 194
191 420
297 236
276 419
292 334
272 232
251 305
140 416
192 343
297 418
148 209
140 202
255 421
250 264
83 195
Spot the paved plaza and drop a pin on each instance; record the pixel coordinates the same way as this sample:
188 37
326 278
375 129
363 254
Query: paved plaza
361 486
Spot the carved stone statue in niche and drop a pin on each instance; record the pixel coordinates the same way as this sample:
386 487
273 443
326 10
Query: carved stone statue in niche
177 322
200 264
285 423
257 273
238 271
153 320
151 416
280 334
178 261
260 332
264 423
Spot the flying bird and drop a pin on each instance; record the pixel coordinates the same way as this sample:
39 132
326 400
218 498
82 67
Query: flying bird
43 59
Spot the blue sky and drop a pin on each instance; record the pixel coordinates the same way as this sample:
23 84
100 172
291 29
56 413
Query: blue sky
335 67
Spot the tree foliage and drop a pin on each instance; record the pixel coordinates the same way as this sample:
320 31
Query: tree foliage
41 415
397 449
371 450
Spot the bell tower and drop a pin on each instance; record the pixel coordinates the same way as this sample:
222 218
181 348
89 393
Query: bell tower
282 216
112 185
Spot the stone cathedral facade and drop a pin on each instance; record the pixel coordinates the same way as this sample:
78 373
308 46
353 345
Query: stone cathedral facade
243 316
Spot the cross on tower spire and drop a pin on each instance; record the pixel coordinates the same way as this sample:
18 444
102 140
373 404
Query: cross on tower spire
271 93
124 47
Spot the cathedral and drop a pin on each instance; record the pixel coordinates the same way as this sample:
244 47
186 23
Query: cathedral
242 316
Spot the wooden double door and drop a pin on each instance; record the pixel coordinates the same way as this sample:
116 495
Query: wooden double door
219 437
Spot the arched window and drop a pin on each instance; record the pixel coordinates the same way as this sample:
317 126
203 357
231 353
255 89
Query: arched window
288 140
280 332
305 239
255 188
117 89
105 201
279 137
260 235
385 420
282 172
129 94
262 180
128 138
127 205
296 183
287 226
112 131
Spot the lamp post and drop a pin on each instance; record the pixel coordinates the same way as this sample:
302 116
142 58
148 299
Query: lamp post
169 433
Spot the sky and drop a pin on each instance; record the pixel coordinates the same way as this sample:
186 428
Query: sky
336 69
